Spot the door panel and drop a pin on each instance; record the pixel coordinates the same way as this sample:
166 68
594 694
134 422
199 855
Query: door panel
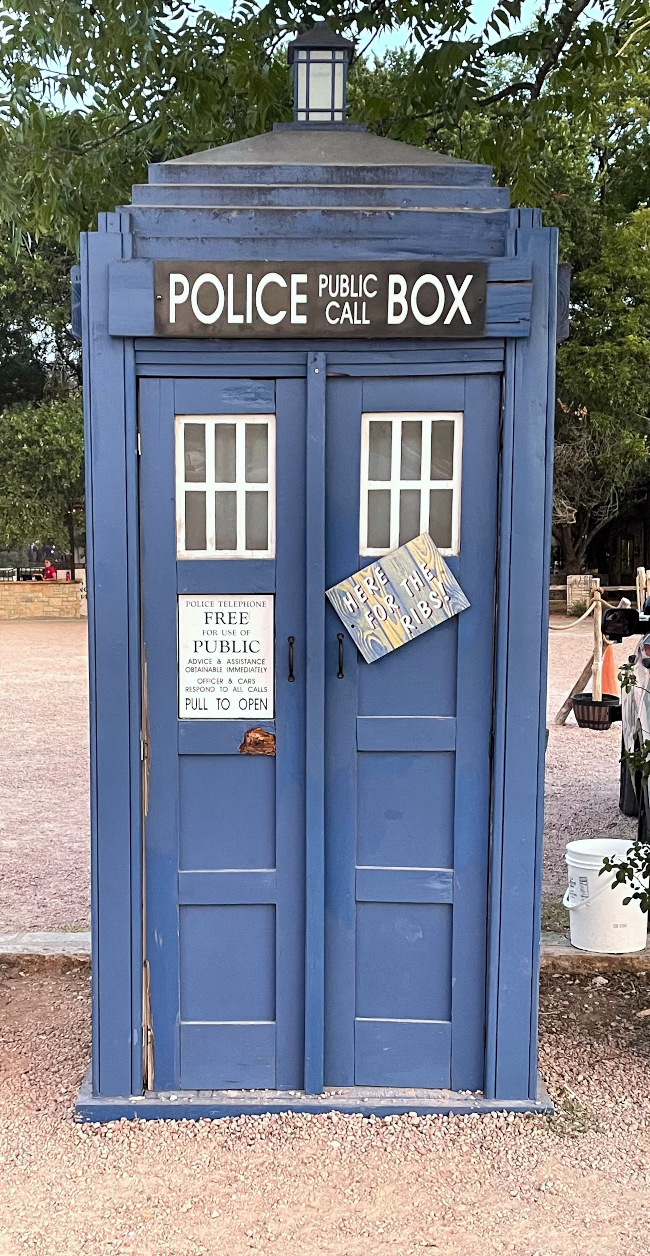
407 794
225 830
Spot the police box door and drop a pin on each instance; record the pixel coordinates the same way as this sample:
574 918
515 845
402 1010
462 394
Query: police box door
222 556
408 739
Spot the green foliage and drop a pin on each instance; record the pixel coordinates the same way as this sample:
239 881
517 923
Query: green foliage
603 388
38 355
91 93
41 471
627 677
638 759
634 871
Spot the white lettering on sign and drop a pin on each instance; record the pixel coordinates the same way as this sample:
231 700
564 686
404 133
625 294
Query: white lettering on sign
273 299
225 657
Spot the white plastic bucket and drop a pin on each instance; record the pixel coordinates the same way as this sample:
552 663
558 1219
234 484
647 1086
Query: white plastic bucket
599 921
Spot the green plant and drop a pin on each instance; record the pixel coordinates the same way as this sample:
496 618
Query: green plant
578 608
627 678
634 871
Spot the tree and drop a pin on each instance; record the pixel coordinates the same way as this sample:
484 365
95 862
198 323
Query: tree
602 452
92 92
41 472
38 354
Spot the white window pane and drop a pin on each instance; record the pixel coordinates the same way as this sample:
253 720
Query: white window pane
257 453
411 451
225 521
440 514
194 438
379 518
442 450
380 441
195 521
409 514
257 521
320 83
224 453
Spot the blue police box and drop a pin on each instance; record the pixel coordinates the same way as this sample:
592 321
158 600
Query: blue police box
315 880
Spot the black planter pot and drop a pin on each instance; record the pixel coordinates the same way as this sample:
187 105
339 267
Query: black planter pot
596 715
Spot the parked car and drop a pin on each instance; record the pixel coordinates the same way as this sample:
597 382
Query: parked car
635 717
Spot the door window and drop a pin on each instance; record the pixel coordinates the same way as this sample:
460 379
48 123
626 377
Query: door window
410 480
225 486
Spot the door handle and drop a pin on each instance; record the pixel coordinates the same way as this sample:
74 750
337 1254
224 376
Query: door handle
340 638
290 641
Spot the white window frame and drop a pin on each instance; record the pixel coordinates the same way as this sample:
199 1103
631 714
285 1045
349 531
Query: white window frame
210 486
425 484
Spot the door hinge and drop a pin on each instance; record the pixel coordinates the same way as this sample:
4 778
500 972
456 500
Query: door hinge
144 747
139 443
147 1029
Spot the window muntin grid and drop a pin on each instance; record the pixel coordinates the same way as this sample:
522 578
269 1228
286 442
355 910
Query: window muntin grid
410 480
225 486
320 85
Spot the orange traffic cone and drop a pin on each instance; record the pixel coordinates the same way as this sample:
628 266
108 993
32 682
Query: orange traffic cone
610 672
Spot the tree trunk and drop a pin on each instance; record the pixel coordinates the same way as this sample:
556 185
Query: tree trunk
70 523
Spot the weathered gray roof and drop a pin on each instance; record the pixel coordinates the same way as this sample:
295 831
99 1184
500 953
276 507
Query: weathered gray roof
285 146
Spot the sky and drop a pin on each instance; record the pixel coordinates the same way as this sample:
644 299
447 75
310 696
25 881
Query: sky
480 11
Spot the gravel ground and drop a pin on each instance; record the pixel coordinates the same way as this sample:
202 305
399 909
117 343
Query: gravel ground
44 863
44 825
577 1184
582 766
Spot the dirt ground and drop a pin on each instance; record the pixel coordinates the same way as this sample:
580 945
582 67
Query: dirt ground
577 1184
44 825
44 818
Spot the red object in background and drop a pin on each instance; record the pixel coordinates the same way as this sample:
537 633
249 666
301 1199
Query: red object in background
68 576
49 570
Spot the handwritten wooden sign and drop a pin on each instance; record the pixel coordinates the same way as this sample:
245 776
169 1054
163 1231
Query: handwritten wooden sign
397 598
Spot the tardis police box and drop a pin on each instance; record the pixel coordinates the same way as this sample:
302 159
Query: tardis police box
315 878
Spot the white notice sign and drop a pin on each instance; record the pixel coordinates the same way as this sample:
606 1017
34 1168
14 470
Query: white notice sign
225 656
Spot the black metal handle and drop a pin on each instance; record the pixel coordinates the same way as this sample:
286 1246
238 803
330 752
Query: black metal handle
340 638
291 641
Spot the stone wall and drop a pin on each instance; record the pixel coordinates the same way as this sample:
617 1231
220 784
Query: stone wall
36 599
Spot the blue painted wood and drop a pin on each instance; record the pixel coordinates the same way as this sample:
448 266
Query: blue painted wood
255 354
405 1052
523 734
216 736
315 729
440 174
236 885
403 963
396 824
213 810
156 420
131 301
406 732
240 1056
233 575
446 227
476 575
218 396
499 725
343 469
111 636
404 885
238 195
130 298
239 832
290 732
321 246
472 368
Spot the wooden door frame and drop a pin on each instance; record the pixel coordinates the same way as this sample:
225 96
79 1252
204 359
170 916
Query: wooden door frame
111 366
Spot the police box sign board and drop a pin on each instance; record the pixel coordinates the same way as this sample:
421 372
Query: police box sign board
225 657
320 299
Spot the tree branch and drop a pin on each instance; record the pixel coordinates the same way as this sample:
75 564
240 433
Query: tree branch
571 16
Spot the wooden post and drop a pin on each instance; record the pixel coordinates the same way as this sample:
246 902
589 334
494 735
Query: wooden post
640 587
567 705
597 669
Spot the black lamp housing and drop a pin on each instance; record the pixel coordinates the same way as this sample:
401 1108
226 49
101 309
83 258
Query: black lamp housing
320 60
